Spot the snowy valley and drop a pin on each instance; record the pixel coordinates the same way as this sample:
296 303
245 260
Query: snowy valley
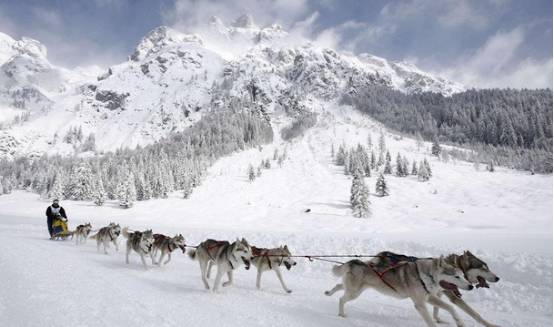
234 133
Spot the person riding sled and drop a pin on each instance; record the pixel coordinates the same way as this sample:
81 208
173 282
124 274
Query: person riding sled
56 219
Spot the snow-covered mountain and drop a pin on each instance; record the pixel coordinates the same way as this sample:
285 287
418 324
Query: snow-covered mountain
171 78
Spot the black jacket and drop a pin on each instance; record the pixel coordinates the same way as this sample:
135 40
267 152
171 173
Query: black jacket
50 215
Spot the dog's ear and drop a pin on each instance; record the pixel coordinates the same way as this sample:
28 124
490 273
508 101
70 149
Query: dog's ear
286 247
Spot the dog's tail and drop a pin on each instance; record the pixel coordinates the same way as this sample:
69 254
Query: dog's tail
192 254
125 232
341 270
95 236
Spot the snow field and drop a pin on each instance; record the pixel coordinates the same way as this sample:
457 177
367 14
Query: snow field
506 221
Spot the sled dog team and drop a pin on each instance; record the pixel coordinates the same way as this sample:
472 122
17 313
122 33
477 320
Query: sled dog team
423 280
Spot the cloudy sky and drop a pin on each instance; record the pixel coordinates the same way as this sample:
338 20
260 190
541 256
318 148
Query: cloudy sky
482 43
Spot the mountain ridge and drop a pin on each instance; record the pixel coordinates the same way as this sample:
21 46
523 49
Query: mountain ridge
172 77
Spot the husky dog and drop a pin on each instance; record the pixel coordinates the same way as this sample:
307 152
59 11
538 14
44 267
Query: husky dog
106 235
166 245
476 272
226 256
272 259
418 279
81 233
140 242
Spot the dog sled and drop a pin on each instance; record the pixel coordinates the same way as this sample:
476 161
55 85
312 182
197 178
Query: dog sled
60 230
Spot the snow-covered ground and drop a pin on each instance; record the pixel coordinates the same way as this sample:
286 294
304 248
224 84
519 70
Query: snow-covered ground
504 217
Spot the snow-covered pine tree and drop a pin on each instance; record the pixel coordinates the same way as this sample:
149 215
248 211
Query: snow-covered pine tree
359 196
399 166
341 155
405 166
436 147
414 168
267 164
364 160
423 173
347 159
127 192
369 142
80 185
251 173
332 151
388 168
259 171
428 167
275 154
56 191
381 160
381 186
99 193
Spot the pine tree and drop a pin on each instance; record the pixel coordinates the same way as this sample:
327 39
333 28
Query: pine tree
332 151
414 168
275 154
341 156
99 193
405 165
80 184
56 191
359 197
381 186
400 166
369 142
388 168
423 174
381 160
267 164
251 173
428 167
436 147
259 171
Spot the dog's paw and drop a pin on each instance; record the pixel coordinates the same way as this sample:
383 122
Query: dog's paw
226 284
342 315
288 291
327 293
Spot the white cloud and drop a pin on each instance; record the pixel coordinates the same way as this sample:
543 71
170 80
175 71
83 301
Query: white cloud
189 14
496 64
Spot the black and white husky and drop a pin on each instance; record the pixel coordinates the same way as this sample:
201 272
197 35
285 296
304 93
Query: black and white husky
272 259
140 242
226 256
106 235
81 233
165 245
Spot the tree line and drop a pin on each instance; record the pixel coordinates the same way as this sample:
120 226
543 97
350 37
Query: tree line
512 127
177 162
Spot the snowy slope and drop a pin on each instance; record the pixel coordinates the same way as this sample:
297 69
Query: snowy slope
172 78
506 220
